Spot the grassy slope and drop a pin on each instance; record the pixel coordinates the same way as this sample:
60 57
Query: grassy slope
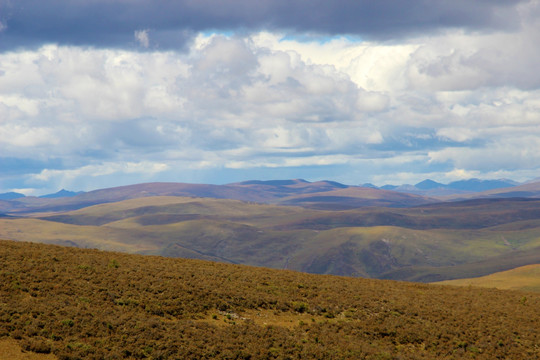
369 252
91 304
354 197
48 232
526 278
326 242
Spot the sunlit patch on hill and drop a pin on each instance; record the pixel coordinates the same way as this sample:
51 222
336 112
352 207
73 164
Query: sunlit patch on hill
526 278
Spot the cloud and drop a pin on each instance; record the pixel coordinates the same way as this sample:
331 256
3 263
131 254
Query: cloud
463 61
142 38
456 134
509 153
21 137
32 23
88 176
225 94
248 103
103 169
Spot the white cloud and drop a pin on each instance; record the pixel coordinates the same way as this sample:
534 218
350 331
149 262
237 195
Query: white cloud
142 38
27 106
510 153
102 169
372 66
13 135
290 161
372 102
456 134
89 177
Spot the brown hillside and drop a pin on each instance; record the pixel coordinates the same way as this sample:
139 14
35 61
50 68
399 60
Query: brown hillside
354 197
91 304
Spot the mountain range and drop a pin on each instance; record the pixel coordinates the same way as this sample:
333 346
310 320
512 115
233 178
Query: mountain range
321 194
328 195
426 187
432 188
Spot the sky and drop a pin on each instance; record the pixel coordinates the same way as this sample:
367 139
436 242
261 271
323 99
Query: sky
102 93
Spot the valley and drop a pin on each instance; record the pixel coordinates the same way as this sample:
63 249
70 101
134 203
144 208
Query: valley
416 239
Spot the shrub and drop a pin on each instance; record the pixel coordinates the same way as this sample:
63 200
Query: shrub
36 345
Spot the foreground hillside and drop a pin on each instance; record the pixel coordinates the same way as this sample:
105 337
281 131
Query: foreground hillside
91 304
525 278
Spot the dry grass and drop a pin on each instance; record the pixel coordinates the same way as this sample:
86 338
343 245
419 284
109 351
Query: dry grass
526 278
49 232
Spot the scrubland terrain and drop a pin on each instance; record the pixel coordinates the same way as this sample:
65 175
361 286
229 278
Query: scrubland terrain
90 304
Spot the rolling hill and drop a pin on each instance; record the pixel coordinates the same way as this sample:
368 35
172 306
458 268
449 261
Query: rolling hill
81 303
328 195
272 192
425 243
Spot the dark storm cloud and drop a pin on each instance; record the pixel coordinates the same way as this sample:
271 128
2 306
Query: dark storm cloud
171 23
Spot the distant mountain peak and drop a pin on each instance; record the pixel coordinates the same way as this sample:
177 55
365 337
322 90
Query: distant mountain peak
428 184
62 193
11 196
479 185
430 187
335 183
389 187
273 182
